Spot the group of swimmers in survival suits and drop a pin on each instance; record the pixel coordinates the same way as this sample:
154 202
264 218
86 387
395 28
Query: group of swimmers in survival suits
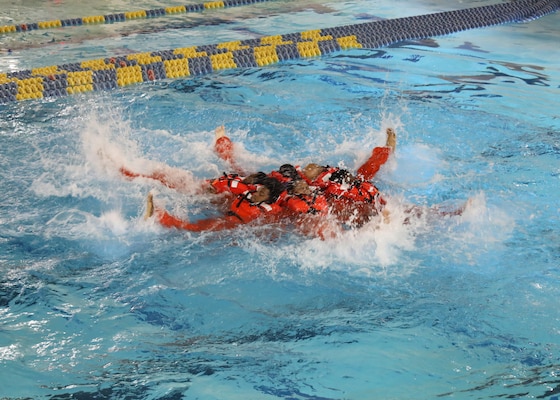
303 196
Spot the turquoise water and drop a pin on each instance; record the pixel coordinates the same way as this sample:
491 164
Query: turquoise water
97 303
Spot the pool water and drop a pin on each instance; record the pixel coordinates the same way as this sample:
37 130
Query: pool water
96 302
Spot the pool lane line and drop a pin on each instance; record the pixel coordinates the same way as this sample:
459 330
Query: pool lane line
116 72
126 16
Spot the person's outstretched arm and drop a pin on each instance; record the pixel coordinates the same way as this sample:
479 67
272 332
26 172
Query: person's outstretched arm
223 146
173 178
210 224
181 180
379 156
171 221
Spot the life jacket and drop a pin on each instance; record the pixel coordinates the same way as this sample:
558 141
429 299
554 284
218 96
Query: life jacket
318 181
306 204
302 175
247 211
323 180
356 203
231 183
356 191
277 175
299 203
339 183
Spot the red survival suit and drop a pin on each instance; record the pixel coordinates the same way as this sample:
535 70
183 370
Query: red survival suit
353 201
313 203
360 190
242 210
379 156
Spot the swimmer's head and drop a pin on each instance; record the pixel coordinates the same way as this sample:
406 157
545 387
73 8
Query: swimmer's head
300 186
289 171
261 194
268 190
254 178
312 171
342 176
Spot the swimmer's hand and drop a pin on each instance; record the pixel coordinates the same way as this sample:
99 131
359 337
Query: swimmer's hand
220 132
386 216
149 206
210 189
391 139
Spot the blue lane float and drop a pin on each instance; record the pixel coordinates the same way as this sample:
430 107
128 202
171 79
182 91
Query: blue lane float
115 72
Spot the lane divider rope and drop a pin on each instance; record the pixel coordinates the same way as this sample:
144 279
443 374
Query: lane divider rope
116 72
125 16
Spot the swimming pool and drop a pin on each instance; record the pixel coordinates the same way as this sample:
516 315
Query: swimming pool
95 302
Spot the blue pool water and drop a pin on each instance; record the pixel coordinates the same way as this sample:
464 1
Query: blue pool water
96 302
